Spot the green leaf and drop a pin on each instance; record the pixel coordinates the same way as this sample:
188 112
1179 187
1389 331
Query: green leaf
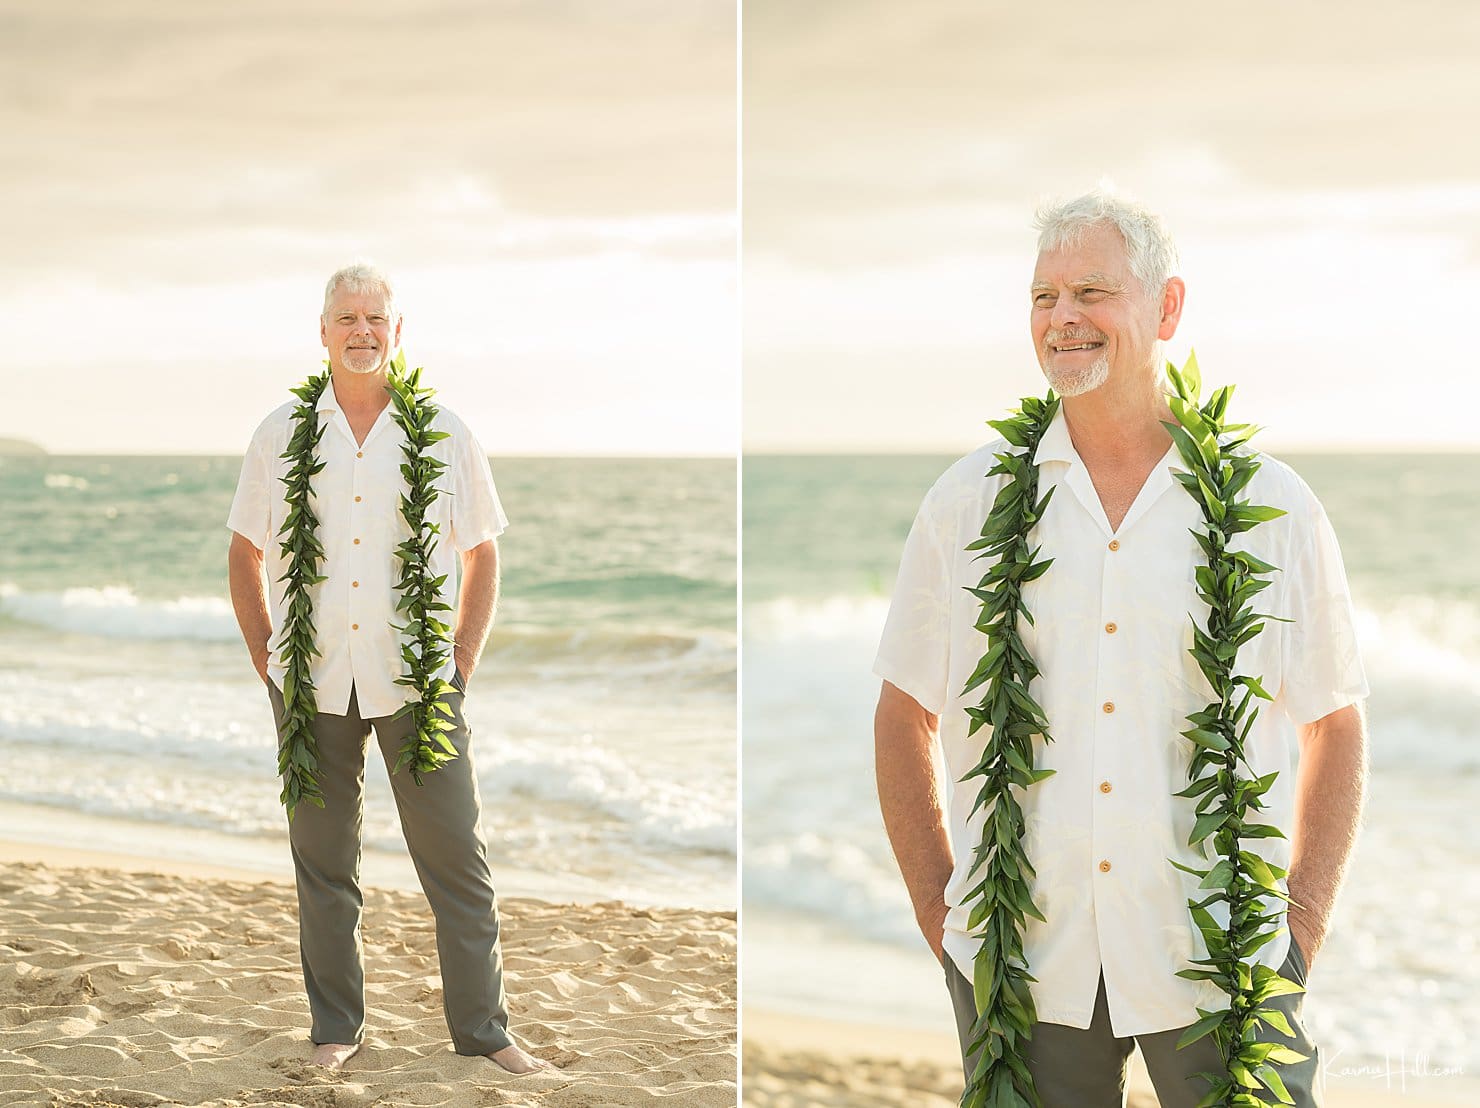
1218 877
1276 1019
1273 1083
1202 1027
1192 375
1206 825
1253 684
1210 740
1257 514
1011 430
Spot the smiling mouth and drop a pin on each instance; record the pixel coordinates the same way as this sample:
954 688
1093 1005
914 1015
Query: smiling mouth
1066 347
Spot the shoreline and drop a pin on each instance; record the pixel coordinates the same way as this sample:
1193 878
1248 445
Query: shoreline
169 849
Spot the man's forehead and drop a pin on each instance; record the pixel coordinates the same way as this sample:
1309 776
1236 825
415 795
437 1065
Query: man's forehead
1098 255
1052 278
370 300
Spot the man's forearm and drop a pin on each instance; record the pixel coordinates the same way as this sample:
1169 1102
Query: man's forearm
249 599
476 603
1329 791
914 817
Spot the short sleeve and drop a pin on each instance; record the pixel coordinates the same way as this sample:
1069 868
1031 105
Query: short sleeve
914 651
1322 665
251 507
477 515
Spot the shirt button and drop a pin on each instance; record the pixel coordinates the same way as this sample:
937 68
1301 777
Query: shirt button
1104 786
1109 627
1108 707
354 626
355 584
1104 867
357 500
1114 544
357 543
359 453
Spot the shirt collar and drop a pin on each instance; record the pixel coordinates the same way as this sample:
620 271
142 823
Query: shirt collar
1057 446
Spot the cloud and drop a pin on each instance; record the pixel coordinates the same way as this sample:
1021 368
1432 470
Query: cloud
861 112
131 120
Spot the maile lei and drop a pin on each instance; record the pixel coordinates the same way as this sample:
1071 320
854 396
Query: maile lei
1227 801
427 639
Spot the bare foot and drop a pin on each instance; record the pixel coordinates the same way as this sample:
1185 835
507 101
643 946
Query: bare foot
332 1056
516 1059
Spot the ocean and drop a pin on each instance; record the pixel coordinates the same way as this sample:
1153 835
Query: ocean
603 709
828 927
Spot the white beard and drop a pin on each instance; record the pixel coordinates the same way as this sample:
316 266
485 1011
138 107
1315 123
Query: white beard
372 366
1080 381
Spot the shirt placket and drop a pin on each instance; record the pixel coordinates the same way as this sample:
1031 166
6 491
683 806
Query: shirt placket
359 484
1111 692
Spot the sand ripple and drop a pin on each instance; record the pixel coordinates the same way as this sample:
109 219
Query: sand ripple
137 990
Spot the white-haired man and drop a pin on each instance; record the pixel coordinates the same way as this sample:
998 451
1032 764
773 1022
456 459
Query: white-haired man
1111 635
357 668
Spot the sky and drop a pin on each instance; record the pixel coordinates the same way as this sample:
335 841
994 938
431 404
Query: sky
551 185
1315 163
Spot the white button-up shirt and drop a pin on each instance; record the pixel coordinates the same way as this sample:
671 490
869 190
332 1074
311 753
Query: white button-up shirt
357 498
1111 637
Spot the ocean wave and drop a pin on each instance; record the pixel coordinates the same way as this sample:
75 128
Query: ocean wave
836 618
117 612
1421 656
657 811
827 878
650 824
175 745
66 481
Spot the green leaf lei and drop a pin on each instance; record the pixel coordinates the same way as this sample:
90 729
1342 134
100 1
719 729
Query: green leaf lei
429 637
1227 801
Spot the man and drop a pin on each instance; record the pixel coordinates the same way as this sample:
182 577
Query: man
356 497
1111 635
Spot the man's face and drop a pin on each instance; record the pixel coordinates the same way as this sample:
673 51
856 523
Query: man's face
360 331
1091 319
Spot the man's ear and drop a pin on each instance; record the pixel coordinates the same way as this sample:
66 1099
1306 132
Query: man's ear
1172 298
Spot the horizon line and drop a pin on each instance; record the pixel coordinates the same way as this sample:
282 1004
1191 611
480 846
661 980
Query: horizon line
1387 448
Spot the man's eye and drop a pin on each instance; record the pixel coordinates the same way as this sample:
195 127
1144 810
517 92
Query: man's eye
1043 298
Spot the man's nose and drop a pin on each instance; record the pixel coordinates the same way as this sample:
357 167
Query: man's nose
1065 313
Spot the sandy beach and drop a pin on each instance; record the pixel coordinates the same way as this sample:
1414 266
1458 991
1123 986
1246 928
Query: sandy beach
797 1061
121 986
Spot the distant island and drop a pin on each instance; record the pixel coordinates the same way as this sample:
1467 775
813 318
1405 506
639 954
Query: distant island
20 446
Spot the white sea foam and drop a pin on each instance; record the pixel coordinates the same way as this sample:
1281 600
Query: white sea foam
115 612
819 875
123 744
1421 655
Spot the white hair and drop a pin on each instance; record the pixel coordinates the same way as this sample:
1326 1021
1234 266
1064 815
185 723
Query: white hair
360 277
1149 248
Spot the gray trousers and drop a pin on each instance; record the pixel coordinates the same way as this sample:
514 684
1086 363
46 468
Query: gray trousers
442 822
1085 1068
